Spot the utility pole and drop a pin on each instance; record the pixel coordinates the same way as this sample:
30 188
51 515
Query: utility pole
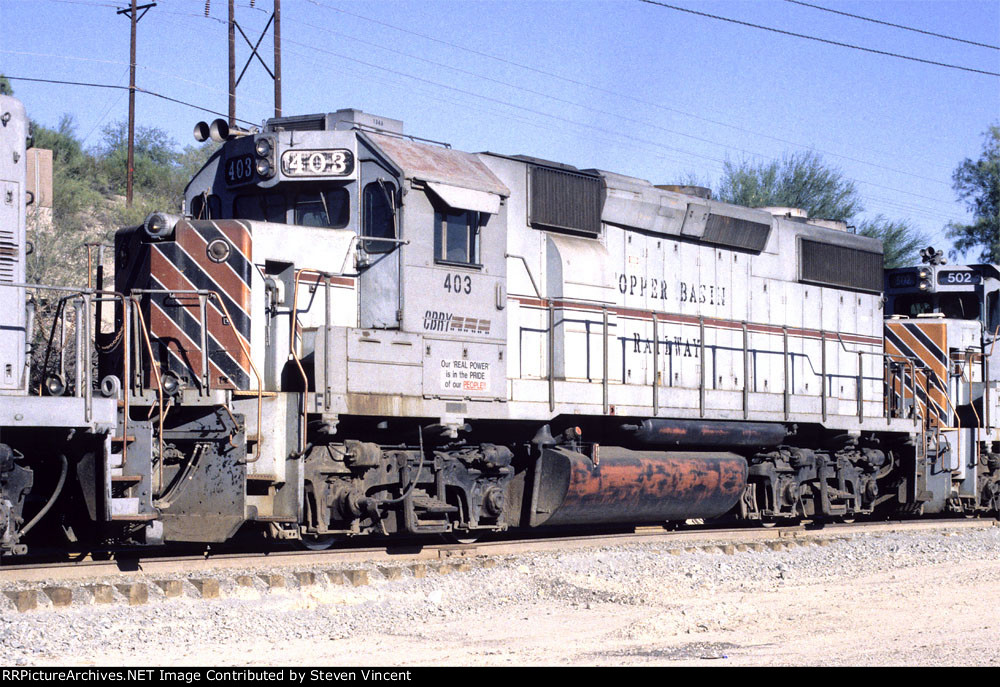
131 12
234 80
277 58
232 64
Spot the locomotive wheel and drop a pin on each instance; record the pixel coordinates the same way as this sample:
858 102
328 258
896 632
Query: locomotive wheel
463 538
318 542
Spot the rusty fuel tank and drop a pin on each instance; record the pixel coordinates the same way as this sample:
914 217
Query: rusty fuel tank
618 485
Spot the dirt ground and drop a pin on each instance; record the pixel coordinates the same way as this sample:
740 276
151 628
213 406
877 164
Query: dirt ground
934 614
937 615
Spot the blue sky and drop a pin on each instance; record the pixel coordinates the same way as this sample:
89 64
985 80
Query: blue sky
619 85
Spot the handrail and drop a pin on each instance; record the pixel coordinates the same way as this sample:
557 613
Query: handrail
604 358
746 374
260 382
656 360
979 422
824 337
154 367
292 329
527 269
212 294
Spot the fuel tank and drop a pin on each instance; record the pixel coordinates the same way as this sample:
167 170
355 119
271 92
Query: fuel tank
715 434
617 485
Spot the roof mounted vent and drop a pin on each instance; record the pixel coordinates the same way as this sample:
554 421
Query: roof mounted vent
340 120
686 189
790 213
350 118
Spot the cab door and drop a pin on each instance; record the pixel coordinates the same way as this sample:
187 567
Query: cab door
379 248
454 286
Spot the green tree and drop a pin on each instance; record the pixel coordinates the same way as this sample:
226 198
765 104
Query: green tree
801 180
5 87
977 182
804 180
900 241
154 159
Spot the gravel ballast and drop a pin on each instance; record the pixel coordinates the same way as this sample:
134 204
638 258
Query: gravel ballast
893 598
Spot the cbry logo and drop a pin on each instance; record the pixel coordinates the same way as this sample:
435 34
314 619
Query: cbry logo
435 321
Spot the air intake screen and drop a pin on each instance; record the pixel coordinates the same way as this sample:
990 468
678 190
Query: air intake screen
8 256
565 201
303 123
850 268
735 232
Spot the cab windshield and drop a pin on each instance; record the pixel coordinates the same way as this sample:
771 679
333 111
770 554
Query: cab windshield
311 207
959 306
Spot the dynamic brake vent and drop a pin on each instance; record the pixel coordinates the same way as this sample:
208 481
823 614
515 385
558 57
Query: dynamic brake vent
735 232
831 265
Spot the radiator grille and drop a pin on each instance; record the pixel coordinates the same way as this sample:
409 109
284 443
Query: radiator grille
565 201
827 264
735 232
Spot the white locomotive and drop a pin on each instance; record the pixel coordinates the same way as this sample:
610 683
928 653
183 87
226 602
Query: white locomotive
351 330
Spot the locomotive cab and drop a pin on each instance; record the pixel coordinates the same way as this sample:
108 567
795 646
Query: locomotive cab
948 318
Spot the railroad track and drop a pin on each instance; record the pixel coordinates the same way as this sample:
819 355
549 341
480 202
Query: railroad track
131 565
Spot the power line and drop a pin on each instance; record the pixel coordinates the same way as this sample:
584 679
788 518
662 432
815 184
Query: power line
551 116
124 88
496 101
555 117
819 40
570 80
623 117
143 67
631 140
895 26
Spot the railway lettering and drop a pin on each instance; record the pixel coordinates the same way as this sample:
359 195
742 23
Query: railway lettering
629 283
687 292
701 293
677 346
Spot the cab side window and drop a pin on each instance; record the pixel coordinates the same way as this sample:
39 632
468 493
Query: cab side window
993 311
206 206
456 236
378 216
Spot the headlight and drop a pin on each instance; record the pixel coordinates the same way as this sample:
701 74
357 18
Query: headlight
263 147
218 250
264 168
160 225
169 383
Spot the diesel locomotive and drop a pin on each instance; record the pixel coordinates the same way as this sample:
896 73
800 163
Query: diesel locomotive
349 330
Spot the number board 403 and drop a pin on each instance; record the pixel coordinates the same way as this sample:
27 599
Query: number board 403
317 163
